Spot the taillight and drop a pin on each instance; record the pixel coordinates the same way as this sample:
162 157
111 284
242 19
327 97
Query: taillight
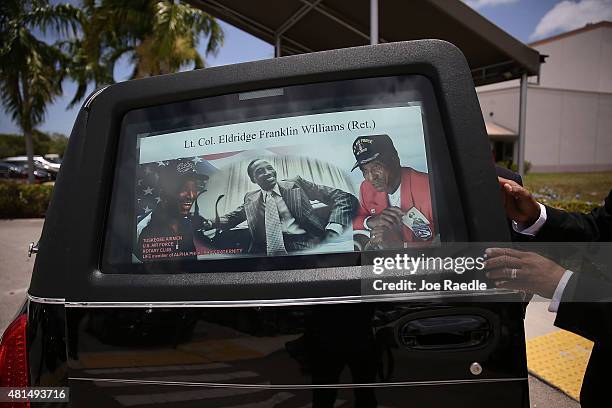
14 358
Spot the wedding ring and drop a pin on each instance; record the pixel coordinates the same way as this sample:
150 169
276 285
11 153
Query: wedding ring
513 273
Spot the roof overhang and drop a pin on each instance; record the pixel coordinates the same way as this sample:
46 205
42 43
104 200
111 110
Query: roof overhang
500 133
301 26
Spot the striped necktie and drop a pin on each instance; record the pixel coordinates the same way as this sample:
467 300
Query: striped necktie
274 230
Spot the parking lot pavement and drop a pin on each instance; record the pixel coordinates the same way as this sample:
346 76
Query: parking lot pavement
15 266
541 395
16 270
538 322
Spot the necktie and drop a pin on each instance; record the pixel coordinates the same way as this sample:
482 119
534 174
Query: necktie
274 231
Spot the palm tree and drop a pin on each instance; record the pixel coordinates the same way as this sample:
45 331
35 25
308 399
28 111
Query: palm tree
158 36
31 71
169 33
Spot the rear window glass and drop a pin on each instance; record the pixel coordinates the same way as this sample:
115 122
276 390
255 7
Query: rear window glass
309 170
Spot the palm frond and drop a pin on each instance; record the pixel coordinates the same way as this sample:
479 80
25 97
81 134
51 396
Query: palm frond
31 71
62 19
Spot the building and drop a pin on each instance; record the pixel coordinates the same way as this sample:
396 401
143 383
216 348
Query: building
569 107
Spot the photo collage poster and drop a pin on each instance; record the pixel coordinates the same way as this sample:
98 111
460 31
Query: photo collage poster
312 184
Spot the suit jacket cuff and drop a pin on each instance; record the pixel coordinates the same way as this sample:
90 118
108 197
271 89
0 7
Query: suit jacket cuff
337 228
533 229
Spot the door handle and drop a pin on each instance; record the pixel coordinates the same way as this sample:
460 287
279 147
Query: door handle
445 332
32 249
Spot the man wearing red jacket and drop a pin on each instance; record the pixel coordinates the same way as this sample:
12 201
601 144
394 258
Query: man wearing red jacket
395 201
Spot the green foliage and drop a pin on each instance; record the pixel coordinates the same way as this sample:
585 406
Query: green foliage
31 70
574 192
158 37
572 205
514 167
44 143
587 187
19 200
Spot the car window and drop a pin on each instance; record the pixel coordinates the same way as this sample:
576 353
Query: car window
311 170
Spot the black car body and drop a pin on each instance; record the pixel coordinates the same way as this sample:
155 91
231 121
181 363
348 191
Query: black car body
287 331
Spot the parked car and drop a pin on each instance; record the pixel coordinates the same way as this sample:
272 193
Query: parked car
19 171
54 158
42 172
40 161
11 171
40 175
214 235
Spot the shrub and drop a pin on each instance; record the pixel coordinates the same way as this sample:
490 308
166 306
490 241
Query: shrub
514 166
44 143
572 205
20 200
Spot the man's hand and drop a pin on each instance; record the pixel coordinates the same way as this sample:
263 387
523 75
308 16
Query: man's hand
199 222
377 237
383 237
330 235
519 203
389 218
526 271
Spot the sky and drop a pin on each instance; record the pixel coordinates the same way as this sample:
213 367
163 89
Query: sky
526 20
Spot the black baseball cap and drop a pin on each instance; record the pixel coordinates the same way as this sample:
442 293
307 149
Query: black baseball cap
177 172
368 148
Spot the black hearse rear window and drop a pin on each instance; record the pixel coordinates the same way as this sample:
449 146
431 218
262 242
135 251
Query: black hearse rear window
308 170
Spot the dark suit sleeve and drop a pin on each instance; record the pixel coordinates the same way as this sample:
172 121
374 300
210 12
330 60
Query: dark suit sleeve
586 307
508 174
575 227
343 204
230 220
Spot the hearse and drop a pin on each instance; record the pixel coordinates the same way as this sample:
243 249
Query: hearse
212 236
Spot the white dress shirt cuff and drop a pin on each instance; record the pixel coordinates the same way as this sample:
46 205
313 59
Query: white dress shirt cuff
365 223
533 229
337 228
556 299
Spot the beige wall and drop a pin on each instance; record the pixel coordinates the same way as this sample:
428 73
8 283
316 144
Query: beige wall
565 130
579 62
544 123
603 155
504 104
569 114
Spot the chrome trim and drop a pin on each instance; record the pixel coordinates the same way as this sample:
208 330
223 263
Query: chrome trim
51 301
301 386
93 96
32 249
287 302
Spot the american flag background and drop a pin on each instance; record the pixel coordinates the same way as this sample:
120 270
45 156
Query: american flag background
148 181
